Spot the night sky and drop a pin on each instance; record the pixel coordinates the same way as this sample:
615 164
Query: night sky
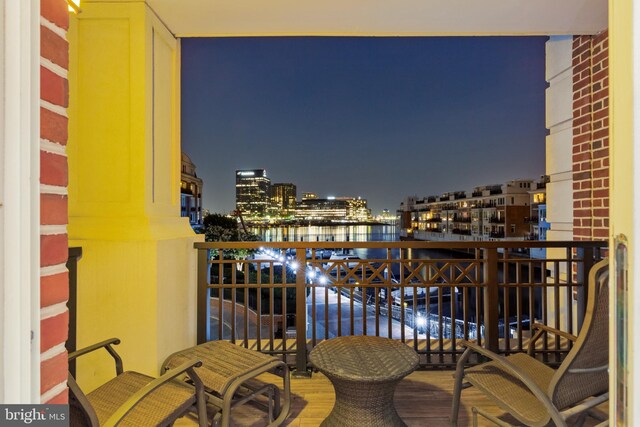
380 118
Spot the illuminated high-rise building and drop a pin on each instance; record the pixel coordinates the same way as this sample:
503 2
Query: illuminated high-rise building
283 199
252 192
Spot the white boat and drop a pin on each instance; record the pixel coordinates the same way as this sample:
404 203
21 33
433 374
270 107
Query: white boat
345 257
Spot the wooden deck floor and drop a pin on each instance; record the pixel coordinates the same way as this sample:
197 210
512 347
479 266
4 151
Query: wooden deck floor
422 399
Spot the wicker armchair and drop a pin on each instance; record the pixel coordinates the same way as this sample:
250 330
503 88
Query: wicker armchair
532 392
134 399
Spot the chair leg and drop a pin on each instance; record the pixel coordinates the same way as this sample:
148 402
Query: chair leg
457 388
455 404
276 400
474 410
270 398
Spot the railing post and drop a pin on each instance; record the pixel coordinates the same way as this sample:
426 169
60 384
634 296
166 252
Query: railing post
301 313
203 308
72 265
491 299
582 276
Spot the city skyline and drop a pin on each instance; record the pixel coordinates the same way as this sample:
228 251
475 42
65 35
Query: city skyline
379 118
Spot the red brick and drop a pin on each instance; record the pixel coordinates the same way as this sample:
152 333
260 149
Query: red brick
53 127
581 120
601 233
53 249
602 114
53 331
54 289
54 88
55 11
53 209
53 372
601 193
603 152
602 213
54 48
581 195
53 169
60 399
581 138
579 67
603 93
580 157
602 133
581 83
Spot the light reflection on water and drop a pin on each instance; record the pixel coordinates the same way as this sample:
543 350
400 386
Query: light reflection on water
329 233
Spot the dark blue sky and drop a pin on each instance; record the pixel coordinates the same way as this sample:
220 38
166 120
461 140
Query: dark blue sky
380 118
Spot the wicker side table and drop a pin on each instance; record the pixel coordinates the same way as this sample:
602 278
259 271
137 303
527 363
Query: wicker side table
364 372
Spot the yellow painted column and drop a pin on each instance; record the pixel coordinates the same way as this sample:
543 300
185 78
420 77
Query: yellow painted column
137 276
624 86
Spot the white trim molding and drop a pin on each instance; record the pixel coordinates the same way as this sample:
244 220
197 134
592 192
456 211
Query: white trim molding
19 280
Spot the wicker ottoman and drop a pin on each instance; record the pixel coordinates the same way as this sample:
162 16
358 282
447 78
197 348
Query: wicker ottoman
364 372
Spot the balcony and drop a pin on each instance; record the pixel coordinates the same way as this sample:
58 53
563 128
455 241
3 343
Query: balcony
313 399
470 291
400 290
495 220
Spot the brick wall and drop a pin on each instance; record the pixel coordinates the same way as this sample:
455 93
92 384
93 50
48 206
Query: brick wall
54 278
591 137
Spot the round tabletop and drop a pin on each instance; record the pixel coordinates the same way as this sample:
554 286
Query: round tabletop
364 358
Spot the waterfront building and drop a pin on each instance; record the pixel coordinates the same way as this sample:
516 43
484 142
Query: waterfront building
307 195
490 212
283 199
538 219
386 217
190 192
252 192
335 209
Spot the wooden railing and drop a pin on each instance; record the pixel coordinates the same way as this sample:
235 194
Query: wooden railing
283 298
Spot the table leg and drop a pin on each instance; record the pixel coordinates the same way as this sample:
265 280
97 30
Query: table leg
363 404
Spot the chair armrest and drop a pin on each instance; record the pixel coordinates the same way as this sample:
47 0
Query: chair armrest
107 345
541 329
512 369
138 396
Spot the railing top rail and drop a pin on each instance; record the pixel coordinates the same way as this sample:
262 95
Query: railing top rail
406 244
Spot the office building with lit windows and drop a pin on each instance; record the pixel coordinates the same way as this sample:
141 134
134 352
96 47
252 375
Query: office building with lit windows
253 192
283 199
334 209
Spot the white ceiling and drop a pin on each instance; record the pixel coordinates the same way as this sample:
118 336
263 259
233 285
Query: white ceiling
202 18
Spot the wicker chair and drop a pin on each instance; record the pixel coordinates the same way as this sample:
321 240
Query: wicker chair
134 399
532 392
